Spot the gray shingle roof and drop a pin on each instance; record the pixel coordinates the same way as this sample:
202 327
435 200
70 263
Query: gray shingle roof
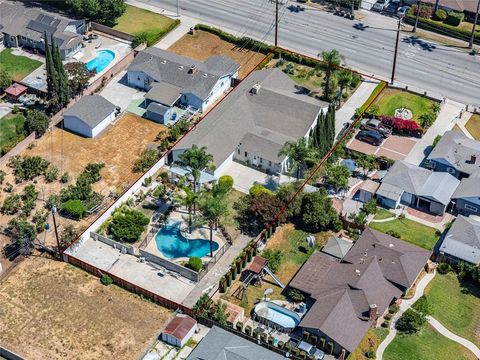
164 93
468 187
403 176
279 112
337 247
18 19
376 270
157 108
220 344
463 239
457 149
174 69
91 109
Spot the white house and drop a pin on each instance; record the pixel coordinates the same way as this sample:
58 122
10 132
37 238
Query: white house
89 116
179 330
193 83
254 121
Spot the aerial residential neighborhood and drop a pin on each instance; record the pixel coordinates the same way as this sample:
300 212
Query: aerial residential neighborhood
265 179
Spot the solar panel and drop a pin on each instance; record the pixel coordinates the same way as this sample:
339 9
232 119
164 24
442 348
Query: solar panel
40 27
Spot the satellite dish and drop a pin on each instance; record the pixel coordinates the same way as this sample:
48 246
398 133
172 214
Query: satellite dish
268 291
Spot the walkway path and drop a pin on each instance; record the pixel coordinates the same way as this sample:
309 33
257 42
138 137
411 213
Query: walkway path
404 305
211 279
447 333
445 121
347 111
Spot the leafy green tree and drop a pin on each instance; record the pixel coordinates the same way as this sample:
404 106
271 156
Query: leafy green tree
195 160
224 184
28 167
332 59
258 189
423 305
65 177
219 313
36 121
5 80
103 11
202 306
370 207
286 193
410 322
68 235
212 208
368 163
11 204
345 78
74 208
92 172
317 213
127 225
21 231
51 174
337 176
147 159
39 218
78 76
298 154
188 198
426 120
265 208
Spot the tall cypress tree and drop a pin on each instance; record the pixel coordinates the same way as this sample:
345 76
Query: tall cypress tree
52 75
63 89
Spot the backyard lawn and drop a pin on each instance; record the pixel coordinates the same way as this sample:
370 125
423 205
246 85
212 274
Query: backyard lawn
11 131
17 66
229 221
409 230
383 214
135 21
373 338
473 126
392 99
456 305
425 345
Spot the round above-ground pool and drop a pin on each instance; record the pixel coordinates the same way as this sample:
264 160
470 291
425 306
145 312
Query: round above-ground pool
272 314
101 61
173 244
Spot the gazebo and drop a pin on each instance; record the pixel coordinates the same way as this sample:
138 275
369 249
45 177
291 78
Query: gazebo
14 91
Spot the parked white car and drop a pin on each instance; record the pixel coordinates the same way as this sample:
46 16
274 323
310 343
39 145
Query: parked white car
380 5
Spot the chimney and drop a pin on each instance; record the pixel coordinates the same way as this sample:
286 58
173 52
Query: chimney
473 159
255 88
373 312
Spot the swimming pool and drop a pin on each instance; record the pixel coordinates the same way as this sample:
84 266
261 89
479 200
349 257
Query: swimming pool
101 61
173 244
274 314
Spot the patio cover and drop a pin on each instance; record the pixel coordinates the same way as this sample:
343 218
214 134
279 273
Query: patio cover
164 93
15 90
204 176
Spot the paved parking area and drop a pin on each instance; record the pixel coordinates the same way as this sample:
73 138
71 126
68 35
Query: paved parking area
394 147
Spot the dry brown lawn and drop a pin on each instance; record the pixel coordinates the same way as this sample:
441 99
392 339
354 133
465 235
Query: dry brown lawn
203 44
52 310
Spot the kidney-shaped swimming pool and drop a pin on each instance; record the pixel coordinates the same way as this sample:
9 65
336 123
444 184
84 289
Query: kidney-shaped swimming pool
173 244
101 61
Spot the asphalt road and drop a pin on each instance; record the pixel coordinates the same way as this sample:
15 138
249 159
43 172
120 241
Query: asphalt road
367 45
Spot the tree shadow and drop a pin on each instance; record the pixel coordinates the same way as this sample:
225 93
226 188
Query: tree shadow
468 287
360 26
416 41
296 8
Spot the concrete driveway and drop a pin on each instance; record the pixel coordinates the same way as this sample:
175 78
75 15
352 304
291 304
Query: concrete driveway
394 147
119 94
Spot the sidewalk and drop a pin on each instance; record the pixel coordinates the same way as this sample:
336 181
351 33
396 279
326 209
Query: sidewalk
446 119
347 111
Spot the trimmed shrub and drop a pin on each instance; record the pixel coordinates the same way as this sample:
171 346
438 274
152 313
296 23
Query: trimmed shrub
271 340
321 343
411 321
248 330
393 309
195 263
386 324
239 326
330 347
303 355
255 333
444 268
127 225
106 280
225 183
263 337
306 335
74 208
441 15
388 316
280 344
455 18
258 189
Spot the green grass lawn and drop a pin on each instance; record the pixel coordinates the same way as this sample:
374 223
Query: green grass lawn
426 345
229 221
409 230
473 126
456 307
392 99
135 21
383 214
17 66
11 131
373 337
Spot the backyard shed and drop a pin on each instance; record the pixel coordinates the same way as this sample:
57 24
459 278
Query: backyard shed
367 190
89 116
179 330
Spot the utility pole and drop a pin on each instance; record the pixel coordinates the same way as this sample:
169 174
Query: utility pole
472 37
178 8
54 210
276 23
419 2
396 50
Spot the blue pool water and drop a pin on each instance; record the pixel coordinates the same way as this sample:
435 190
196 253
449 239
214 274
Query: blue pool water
101 61
173 244
277 314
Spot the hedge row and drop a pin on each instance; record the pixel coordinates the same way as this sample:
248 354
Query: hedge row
443 29
151 37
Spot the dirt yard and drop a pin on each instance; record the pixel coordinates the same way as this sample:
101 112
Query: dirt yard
203 44
52 310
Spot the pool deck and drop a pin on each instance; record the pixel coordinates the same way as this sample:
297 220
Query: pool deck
197 233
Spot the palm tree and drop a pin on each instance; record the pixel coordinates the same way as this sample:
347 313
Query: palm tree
345 78
298 153
195 160
332 59
187 198
212 209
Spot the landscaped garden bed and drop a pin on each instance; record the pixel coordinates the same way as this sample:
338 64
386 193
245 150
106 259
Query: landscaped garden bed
18 67
369 344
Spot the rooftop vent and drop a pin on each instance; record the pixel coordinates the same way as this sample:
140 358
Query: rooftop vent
180 67
357 272
164 61
193 69
255 88
205 74
390 245
473 159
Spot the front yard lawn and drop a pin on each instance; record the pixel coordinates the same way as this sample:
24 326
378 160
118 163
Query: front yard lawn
392 99
409 230
383 214
427 344
373 338
17 66
473 126
11 131
136 21
456 305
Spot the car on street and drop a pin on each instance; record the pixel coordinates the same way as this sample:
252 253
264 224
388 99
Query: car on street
370 137
402 11
376 125
380 5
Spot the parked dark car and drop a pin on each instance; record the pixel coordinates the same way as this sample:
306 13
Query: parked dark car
376 125
370 137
